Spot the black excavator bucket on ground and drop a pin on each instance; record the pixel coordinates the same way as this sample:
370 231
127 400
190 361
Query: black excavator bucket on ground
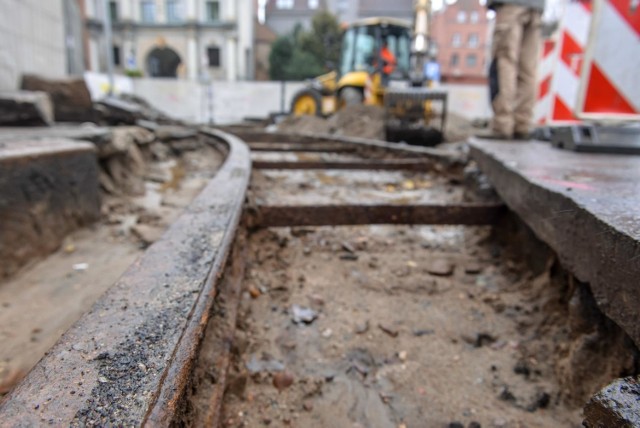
411 112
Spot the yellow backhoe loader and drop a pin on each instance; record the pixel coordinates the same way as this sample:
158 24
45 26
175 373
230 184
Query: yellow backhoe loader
410 111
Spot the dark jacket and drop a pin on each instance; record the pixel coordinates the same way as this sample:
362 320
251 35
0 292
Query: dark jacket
533 4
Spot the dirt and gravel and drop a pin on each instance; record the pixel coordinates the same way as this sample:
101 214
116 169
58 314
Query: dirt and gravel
395 326
352 121
366 122
146 185
383 326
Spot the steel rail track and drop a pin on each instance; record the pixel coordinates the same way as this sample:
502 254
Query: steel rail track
130 360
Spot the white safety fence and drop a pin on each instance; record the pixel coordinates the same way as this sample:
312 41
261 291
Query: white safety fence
230 102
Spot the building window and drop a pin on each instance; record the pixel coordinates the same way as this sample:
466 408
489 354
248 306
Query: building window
461 17
473 40
474 17
284 4
313 4
213 11
454 59
174 11
213 53
472 60
117 60
457 40
148 11
113 11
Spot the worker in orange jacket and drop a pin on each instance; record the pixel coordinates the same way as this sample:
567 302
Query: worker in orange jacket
389 63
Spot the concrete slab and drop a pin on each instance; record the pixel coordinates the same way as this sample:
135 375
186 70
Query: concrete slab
615 406
91 133
24 108
586 207
48 188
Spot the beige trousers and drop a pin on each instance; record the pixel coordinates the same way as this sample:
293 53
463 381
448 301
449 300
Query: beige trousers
516 41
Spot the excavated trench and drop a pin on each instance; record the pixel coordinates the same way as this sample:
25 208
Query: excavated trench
360 284
336 322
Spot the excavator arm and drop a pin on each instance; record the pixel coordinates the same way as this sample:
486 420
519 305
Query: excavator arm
420 44
409 112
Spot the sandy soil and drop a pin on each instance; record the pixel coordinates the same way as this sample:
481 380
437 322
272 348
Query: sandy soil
46 297
415 327
385 326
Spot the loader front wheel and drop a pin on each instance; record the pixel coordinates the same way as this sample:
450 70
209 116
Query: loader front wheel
351 96
307 102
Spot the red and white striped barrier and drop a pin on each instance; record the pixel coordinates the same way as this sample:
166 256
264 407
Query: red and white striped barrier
545 76
591 71
612 63
574 35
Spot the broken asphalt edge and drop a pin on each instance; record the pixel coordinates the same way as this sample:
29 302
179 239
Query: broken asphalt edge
600 260
48 189
127 361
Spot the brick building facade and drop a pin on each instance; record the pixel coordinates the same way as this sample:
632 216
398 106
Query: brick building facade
462 33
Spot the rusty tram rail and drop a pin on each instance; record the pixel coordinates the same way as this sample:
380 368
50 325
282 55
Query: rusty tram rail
130 360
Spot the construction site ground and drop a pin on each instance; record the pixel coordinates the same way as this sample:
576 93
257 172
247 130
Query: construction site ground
392 326
416 327
348 326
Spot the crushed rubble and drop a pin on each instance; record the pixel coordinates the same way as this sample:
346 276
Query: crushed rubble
300 315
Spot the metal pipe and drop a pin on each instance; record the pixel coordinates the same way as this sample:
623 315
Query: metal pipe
421 27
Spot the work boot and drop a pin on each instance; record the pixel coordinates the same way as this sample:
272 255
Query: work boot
522 136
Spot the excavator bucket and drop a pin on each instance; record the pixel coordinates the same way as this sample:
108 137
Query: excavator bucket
415 115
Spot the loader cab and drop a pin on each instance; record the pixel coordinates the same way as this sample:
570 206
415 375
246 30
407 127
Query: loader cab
361 46
363 40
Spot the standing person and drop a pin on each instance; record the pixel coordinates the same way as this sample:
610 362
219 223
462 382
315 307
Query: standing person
432 72
512 74
389 63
